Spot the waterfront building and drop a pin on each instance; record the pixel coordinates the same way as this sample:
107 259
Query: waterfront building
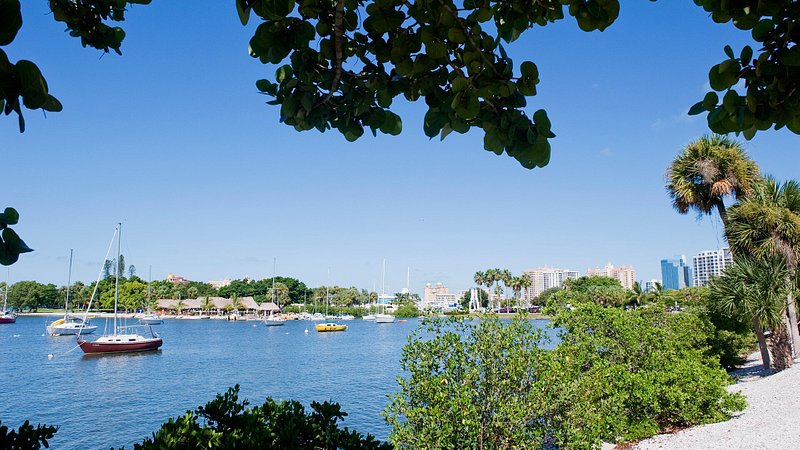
438 297
626 275
676 273
385 299
710 263
220 284
650 285
176 279
546 278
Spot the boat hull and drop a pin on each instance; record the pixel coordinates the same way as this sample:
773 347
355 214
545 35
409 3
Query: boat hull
274 323
326 327
8 319
71 331
94 347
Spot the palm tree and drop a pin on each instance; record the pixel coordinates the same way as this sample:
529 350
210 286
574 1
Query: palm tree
505 277
757 287
706 171
480 280
767 224
179 306
492 276
236 303
638 295
206 304
192 292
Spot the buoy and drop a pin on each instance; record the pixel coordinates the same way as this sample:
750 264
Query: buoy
306 330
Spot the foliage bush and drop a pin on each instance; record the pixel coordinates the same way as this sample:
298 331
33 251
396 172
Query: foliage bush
26 437
624 375
615 376
407 310
227 423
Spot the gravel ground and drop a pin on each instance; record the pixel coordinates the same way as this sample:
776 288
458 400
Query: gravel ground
770 421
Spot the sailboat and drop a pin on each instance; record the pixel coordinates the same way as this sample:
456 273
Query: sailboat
70 324
329 325
150 318
6 316
383 317
121 342
273 320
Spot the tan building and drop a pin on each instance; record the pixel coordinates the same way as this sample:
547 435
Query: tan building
626 275
220 284
176 279
546 278
439 297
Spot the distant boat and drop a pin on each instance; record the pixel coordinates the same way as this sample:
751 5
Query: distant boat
71 324
274 321
368 317
383 317
5 315
330 326
116 342
150 318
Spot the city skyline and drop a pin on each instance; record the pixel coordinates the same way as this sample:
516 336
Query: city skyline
175 141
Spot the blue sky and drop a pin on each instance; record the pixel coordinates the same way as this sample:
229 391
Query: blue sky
174 139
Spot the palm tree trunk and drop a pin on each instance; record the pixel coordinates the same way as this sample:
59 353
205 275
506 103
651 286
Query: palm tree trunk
794 333
762 342
723 215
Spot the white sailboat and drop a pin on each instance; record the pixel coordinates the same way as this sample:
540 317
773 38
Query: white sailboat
273 320
131 341
383 317
150 318
70 324
7 316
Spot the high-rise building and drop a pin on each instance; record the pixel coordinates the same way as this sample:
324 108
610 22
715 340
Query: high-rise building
439 297
546 278
676 273
626 275
650 285
710 263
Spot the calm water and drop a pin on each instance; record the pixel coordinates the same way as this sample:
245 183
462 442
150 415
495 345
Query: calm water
104 401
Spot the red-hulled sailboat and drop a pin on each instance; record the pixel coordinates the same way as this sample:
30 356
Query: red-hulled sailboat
129 341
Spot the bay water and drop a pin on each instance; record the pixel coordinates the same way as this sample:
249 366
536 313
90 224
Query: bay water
100 402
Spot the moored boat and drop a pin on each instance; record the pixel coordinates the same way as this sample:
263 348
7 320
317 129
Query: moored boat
5 315
121 342
330 326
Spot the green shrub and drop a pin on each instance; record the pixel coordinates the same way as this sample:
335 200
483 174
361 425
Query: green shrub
407 310
615 376
26 437
625 375
226 423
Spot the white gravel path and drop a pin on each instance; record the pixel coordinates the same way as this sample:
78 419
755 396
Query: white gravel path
770 421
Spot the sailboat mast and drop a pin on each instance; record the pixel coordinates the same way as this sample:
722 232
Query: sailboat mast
149 282
5 295
274 273
69 282
116 282
383 277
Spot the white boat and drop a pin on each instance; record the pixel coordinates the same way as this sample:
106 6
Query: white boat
383 317
7 316
131 341
368 317
70 324
273 320
317 317
150 318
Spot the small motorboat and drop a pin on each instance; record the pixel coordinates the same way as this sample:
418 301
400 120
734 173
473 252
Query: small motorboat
330 326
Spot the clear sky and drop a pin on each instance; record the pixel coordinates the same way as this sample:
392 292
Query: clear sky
174 139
